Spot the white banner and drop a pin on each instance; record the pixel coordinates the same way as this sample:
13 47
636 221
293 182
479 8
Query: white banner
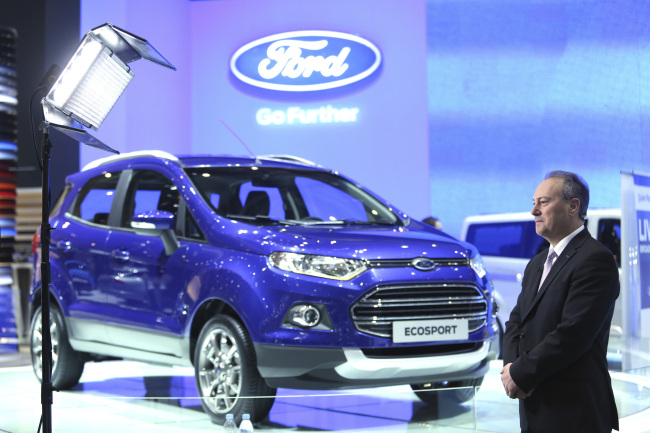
635 268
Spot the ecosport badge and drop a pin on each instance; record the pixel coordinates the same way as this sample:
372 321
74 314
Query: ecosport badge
305 61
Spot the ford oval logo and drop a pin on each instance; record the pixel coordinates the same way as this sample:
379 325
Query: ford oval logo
305 61
424 264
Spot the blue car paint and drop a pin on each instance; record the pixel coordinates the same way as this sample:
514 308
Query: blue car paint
119 279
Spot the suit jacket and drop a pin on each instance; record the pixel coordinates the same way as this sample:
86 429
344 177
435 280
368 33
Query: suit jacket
556 340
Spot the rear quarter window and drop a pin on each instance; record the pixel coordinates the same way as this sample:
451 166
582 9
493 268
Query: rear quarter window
96 198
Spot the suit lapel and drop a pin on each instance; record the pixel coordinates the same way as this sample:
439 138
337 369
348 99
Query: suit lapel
568 253
530 292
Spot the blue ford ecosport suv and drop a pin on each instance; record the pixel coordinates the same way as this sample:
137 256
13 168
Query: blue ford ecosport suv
261 273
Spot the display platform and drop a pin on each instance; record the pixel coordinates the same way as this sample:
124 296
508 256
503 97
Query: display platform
121 396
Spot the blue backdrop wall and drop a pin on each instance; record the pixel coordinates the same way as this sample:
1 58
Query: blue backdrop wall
520 88
475 102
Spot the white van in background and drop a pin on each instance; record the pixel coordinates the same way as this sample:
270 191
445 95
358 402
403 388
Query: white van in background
508 241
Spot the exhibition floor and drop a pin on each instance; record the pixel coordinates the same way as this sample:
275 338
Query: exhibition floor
133 397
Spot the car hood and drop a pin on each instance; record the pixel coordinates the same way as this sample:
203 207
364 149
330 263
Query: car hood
363 242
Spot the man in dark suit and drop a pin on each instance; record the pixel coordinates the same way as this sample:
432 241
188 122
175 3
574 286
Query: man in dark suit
555 343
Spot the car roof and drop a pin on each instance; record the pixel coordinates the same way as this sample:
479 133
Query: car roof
232 160
288 161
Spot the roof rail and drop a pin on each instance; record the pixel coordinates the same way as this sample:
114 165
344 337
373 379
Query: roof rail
130 155
289 158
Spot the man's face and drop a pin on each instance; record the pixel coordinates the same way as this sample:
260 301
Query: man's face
553 215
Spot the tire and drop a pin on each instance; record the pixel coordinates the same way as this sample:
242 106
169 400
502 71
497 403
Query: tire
226 373
67 364
462 392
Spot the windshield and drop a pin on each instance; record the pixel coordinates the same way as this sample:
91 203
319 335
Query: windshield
268 195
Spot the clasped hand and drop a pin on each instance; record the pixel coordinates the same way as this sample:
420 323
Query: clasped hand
511 388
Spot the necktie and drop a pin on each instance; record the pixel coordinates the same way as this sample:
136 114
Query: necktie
547 266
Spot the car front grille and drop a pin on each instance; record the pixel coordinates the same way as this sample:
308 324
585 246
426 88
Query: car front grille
375 312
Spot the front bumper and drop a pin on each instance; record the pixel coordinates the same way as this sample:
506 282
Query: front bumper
346 368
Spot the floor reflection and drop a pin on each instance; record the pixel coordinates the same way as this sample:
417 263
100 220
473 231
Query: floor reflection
128 396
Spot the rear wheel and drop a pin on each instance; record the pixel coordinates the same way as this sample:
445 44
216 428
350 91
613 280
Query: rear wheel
67 365
458 391
226 373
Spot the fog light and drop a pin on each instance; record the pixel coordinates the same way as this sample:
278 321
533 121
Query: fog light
306 315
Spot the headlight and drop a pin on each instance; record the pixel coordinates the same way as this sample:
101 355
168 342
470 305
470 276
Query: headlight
318 266
476 262
495 309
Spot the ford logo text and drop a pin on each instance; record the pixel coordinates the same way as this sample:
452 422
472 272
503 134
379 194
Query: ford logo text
305 61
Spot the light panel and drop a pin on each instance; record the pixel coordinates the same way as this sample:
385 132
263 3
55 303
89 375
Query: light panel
90 84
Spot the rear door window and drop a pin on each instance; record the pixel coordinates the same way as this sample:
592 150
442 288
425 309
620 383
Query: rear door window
609 234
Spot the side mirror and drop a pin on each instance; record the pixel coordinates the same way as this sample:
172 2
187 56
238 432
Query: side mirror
154 219
157 223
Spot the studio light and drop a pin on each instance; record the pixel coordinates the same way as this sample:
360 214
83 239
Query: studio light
90 85
81 94
93 80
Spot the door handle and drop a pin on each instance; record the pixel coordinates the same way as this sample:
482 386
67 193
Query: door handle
64 246
120 255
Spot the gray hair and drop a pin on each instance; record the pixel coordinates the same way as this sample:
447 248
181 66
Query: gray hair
573 186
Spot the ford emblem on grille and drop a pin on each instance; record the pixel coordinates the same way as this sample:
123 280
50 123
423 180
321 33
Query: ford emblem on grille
424 264
305 61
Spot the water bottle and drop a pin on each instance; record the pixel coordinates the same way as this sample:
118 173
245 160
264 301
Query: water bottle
246 425
229 426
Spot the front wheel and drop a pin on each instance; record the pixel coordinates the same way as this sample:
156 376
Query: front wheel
67 365
226 373
458 391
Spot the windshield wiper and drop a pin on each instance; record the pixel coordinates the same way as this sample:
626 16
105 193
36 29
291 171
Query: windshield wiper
249 217
351 222
344 222
262 218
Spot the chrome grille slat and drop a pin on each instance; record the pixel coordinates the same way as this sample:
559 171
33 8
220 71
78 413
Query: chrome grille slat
441 290
433 300
405 263
375 312
422 316
390 319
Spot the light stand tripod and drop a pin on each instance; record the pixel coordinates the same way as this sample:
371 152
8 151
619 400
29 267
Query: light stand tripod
47 387
46 277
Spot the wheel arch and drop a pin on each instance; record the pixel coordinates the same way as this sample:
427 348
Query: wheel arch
204 313
37 301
